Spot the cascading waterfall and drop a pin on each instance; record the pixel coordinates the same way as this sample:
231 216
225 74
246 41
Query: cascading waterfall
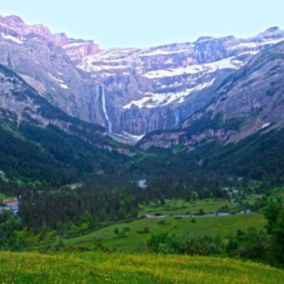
103 98
177 117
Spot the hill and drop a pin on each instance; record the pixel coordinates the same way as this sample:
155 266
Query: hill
135 237
30 268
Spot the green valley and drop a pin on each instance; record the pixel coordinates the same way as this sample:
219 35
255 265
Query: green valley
141 165
136 233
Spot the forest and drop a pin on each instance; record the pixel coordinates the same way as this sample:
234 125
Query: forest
47 215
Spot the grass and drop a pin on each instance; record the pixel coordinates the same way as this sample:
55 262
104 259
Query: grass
181 206
251 199
30 268
134 240
3 196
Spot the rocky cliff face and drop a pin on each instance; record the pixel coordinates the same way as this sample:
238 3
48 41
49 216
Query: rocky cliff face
158 88
249 101
43 60
130 92
14 29
20 104
42 143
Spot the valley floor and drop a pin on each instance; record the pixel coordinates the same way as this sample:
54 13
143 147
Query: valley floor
135 237
29 268
203 217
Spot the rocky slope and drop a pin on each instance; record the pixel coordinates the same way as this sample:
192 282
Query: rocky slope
39 141
131 92
43 60
249 101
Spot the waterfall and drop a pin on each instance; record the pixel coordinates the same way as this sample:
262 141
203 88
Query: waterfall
103 98
177 117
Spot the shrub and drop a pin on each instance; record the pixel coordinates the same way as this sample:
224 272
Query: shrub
144 231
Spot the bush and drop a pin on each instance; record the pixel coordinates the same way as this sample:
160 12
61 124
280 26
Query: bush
144 231
203 245
165 243
201 212
192 245
252 244
274 214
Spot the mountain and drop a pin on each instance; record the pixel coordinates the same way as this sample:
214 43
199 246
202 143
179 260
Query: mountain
130 92
248 101
41 142
241 131
215 103
43 60
157 88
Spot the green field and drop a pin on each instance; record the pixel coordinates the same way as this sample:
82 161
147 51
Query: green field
3 196
134 239
30 268
181 206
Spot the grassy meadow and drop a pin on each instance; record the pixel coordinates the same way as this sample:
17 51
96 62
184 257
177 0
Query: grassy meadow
126 259
29 268
135 236
181 206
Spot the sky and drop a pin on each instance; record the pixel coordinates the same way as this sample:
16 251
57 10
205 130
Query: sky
146 23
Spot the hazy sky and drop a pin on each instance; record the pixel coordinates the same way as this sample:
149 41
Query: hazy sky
143 23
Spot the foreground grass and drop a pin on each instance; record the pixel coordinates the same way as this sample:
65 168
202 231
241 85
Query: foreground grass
134 239
29 268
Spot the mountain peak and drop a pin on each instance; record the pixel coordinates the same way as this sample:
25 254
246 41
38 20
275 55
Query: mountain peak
14 24
14 29
272 29
12 19
204 38
40 30
272 32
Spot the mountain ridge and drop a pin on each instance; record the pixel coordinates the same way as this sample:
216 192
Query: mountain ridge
198 100
130 92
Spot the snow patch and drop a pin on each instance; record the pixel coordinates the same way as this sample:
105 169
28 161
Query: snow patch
133 136
228 63
256 45
12 38
152 100
265 125
163 52
89 65
63 86
59 81
54 78
75 44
